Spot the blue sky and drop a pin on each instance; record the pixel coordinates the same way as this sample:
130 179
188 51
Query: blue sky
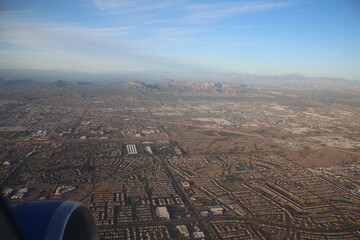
315 38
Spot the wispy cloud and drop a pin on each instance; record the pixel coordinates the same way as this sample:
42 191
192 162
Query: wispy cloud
134 5
96 46
46 35
211 12
188 11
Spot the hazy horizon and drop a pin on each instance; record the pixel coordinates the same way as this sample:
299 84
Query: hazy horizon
147 75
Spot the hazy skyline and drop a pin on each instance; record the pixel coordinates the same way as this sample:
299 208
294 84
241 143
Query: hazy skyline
315 38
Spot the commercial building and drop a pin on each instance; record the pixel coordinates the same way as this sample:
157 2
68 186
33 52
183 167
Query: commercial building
183 230
162 212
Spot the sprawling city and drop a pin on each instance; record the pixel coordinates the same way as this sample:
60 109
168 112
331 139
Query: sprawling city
187 160
179 120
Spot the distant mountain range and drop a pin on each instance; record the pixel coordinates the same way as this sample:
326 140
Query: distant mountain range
147 79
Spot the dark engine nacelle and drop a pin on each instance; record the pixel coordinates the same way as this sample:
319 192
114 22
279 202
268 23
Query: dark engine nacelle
54 220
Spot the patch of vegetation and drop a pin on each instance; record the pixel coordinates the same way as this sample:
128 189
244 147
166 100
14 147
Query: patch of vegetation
209 133
188 172
229 168
87 167
228 134
149 191
279 191
264 193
